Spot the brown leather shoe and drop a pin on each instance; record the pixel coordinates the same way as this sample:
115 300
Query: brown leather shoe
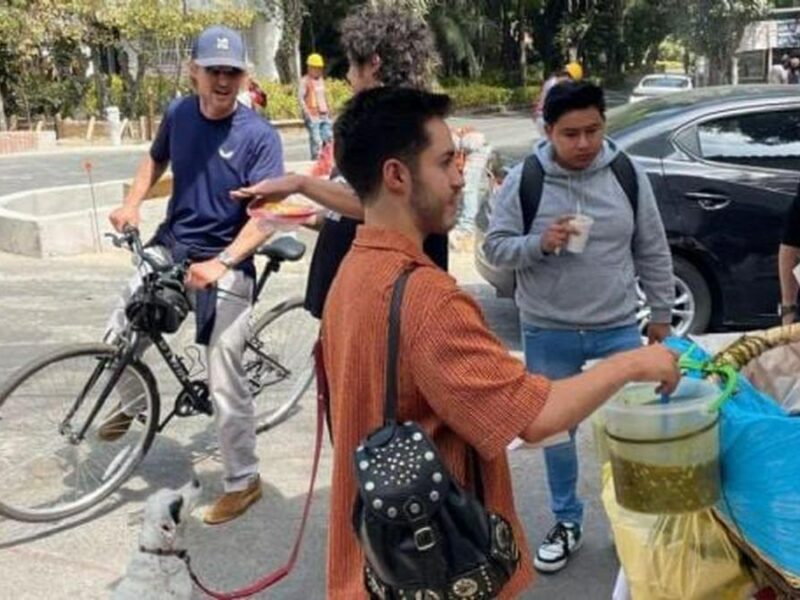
231 505
115 427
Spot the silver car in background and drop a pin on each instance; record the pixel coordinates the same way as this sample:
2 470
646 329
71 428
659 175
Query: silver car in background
660 85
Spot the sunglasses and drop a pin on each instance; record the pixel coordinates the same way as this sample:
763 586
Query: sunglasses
229 71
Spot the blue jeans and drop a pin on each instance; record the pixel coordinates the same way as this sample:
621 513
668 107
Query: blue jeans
320 131
557 353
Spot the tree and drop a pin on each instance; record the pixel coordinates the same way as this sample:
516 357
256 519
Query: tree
150 28
47 46
714 28
41 51
646 24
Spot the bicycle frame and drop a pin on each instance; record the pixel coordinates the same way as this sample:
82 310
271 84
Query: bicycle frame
125 357
193 397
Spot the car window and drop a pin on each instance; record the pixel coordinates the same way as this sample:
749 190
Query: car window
687 140
766 139
665 82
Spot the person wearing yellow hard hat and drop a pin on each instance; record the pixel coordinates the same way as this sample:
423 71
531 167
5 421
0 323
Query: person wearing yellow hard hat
314 105
315 60
574 70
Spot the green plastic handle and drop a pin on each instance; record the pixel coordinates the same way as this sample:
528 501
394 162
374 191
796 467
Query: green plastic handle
725 372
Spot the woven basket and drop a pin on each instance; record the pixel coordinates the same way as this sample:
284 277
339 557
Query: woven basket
739 354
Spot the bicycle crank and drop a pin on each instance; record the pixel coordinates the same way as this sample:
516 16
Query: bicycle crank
197 401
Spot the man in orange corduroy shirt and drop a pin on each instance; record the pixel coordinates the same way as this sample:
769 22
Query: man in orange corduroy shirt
455 377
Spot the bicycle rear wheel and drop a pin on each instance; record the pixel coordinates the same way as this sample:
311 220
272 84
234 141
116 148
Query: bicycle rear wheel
47 471
279 361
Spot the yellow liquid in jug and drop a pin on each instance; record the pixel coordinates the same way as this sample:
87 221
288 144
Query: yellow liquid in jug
664 489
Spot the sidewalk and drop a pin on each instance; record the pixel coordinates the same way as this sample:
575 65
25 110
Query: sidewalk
45 303
50 302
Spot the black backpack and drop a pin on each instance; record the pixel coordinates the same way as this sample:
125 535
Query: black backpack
422 534
532 183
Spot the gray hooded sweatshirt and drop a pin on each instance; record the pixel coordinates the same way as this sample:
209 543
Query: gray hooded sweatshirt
595 289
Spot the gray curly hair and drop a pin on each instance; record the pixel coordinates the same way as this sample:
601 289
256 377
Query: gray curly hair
401 39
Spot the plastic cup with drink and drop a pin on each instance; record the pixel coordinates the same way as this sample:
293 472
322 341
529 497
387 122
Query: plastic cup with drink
577 241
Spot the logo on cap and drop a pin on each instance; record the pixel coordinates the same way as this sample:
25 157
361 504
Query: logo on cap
223 43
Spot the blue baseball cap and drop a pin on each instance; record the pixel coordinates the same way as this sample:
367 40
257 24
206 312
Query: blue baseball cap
219 46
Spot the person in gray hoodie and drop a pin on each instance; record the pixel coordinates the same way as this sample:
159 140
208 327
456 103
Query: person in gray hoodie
577 305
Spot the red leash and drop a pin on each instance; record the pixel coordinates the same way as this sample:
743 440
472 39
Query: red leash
274 577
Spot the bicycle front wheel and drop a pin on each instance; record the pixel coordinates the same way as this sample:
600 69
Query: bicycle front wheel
279 361
48 469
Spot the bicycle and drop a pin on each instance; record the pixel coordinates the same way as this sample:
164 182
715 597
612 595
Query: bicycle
52 462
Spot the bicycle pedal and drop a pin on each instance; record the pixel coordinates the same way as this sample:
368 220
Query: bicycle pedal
204 406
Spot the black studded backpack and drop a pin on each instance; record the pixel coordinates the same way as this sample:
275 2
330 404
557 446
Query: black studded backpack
423 536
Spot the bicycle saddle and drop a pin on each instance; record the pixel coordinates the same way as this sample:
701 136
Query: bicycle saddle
284 248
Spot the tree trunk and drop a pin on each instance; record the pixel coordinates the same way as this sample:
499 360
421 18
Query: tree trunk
25 101
266 33
719 69
523 55
99 80
508 41
288 56
176 83
3 123
546 25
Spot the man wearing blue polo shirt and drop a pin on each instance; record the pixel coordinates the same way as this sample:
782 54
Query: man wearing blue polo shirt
214 146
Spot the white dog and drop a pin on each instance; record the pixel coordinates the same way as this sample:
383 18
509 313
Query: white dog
157 569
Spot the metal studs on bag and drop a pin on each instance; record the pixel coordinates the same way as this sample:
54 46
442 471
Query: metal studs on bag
396 465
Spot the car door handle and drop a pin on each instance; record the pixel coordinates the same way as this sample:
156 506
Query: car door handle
709 200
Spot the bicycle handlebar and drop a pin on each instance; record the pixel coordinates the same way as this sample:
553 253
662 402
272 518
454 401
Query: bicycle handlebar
131 239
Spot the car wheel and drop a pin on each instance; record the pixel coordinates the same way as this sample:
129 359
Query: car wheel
691 312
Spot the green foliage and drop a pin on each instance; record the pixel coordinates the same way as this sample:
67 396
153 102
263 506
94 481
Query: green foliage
669 66
282 101
478 94
672 49
42 42
89 105
525 96
116 91
168 19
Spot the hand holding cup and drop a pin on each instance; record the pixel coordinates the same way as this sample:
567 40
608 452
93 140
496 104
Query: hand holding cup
558 234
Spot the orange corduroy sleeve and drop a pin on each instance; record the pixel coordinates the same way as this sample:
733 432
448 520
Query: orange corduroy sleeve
470 380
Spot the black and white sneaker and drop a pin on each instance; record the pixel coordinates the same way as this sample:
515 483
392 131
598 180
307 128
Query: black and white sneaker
563 540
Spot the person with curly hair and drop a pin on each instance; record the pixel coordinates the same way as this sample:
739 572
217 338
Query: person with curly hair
385 47
392 47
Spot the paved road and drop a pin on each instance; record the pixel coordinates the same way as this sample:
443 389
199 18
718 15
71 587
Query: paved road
65 167
512 132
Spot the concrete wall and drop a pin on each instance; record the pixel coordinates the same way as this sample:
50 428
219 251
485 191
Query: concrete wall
57 221
63 220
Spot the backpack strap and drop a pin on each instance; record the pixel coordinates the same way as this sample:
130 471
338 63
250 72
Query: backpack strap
532 183
530 191
392 349
623 170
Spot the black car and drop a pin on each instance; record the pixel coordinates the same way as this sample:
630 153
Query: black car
725 165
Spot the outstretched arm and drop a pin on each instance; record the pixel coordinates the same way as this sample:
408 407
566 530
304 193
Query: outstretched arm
333 195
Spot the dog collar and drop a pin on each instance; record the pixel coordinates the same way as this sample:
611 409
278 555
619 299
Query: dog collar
159 552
